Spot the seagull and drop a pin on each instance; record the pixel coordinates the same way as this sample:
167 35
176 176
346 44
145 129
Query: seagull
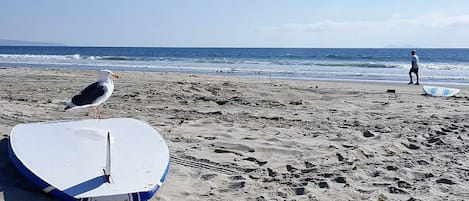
95 94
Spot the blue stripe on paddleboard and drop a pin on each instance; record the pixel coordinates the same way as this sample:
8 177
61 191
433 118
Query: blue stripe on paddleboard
446 92
148 194
33 178
135 197
433 91
163 179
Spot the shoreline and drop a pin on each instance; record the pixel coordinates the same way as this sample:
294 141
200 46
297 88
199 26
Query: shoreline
234 138
260 76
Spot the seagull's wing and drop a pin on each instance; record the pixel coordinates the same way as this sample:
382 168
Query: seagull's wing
89 94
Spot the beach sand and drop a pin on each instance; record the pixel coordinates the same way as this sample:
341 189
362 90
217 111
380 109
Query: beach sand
260 139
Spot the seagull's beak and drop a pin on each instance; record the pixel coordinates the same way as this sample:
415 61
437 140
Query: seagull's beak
116 76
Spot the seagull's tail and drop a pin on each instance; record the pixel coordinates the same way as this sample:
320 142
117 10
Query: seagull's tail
69 106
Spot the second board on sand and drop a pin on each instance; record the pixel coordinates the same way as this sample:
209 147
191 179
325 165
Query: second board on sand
440 91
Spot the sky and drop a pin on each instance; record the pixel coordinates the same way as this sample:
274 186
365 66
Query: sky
239 23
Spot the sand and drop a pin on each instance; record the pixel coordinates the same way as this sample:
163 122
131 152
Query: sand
262 139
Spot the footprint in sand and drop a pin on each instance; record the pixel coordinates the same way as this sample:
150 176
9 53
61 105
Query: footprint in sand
207 177
252 159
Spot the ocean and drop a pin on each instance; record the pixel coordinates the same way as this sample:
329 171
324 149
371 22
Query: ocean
450 66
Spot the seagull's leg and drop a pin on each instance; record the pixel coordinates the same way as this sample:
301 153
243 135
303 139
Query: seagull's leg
96 112
99 114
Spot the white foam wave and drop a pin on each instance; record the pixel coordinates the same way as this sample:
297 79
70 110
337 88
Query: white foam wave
75 56
360 64
289 68
228 61
446 66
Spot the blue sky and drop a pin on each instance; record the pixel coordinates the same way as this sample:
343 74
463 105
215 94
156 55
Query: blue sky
238 23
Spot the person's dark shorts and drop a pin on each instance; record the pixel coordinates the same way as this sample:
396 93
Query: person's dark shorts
414 70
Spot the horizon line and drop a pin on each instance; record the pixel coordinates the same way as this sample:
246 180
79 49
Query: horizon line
227 47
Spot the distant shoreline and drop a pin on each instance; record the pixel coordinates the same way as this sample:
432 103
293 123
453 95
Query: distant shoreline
21 43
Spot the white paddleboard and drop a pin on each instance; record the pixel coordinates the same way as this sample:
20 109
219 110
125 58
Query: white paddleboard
440 91
73 160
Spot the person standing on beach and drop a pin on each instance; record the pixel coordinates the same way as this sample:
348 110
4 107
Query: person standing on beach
414 67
